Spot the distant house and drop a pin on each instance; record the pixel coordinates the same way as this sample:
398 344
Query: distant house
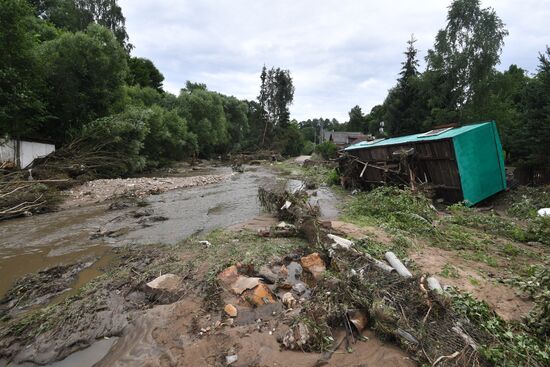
22 153
344 138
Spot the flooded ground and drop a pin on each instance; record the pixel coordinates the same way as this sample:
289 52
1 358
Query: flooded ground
162 335
87 232
30 244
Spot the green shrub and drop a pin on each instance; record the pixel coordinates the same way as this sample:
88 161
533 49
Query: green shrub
394 207
327 150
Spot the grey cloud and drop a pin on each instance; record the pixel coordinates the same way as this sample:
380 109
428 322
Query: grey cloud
340 53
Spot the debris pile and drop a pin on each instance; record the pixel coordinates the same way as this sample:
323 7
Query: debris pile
352 290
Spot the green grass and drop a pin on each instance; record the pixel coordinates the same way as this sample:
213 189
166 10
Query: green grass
449 271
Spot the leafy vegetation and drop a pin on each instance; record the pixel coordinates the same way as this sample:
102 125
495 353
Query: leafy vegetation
510 346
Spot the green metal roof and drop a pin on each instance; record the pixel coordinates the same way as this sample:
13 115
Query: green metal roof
417 137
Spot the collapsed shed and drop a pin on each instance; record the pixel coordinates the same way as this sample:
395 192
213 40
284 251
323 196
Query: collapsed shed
456 163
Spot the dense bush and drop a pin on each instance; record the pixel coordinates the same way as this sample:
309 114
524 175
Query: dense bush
327 150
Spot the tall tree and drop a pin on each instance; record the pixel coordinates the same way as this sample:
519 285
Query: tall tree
85 73
276 95
530 140
356 120
404 105
464 56
144 73
20 75
76 15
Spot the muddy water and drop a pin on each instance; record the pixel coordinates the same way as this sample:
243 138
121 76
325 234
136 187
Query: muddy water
30 244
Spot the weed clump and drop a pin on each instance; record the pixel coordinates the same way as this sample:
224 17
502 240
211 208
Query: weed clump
394 207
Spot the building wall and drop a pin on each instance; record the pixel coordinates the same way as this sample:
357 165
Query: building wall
29 151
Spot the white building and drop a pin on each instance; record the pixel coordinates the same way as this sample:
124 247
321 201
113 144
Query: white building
29 150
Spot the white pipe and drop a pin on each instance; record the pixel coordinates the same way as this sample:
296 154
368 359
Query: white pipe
398 265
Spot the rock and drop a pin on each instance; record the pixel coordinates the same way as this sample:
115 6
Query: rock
288 300
243 283
299 288
170 283
314 264
230 310
358 319
231 359
297 337
434 285
228 276
340 242
266 273
259 295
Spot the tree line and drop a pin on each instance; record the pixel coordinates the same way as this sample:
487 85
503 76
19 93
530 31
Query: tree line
66 72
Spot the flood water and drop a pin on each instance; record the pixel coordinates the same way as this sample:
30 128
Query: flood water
31 244
28 245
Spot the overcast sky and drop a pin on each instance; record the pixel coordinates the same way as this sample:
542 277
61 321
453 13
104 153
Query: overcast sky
340 53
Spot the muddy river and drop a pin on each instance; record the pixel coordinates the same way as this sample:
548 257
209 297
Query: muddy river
83 233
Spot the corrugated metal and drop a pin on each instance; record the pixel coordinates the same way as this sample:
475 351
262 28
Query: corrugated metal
415 138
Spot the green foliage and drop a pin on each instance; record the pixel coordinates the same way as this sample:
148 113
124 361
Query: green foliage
524 201
464 55
143 72
509 347
85 73
20 73
449 271
168 139
356 120
77 15
144 97
396 208
288 140
405 108
327 150
124 135
204 112
308 148
537 285
276 95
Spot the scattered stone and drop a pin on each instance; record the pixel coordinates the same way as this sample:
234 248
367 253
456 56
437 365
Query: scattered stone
260 295
170 283
297 337
230 310
205 243
314 264
288 300
243 283
299 288
143 213
267 274
228 276
231 359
